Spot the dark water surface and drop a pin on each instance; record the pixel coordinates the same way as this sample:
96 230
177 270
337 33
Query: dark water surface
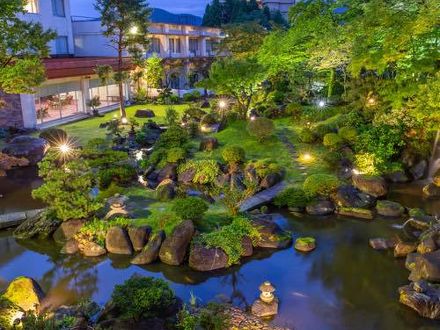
343 284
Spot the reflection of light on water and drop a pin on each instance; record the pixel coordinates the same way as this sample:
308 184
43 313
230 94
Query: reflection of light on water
299 294
397 226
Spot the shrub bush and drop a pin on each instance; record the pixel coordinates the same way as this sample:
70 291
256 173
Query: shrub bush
205 170
229 237
321 129
306 136
191 97
120 175
190 208
193 114
348 134
53 135
261 128
292 197
233 154
294 110
332 141
174 136
208 120
96 230
106 159
264 167
171 116
176 155
142 297
320 185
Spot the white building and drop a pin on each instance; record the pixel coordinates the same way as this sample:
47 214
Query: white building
281 5
185 46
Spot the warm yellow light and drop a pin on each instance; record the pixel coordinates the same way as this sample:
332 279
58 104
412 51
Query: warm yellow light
222 104
64 148
306 158
124 121
355 171
134 29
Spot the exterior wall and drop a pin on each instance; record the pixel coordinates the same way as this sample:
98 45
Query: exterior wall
281 5
61 25
11 114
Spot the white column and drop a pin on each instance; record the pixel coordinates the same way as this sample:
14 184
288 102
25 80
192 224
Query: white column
28 110
203 48
85 95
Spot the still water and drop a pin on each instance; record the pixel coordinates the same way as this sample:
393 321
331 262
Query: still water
343 284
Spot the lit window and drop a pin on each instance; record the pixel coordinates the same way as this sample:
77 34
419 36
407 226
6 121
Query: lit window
58 8
31 6
175 45
62 45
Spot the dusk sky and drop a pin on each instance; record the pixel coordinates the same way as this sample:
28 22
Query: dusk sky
195 7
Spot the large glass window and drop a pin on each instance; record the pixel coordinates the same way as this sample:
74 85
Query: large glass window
31 6
193 46
108 95
175 47
57 101
58 8
62 45
155 45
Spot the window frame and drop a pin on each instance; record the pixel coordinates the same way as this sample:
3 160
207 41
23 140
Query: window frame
56 9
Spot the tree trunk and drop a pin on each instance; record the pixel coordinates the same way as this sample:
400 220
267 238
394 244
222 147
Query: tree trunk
121 84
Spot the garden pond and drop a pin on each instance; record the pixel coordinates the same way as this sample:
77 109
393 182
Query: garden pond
343 284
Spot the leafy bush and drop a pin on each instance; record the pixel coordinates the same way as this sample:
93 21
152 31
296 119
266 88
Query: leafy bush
206 171
193 114
54 135
171 116
96 230
120 175
348 134
192 96
292 197
106 159
264 167
175 136
320 185
229 238
261 128
233 154
333 157
66 189
211 317
190 208
294 110
112 190
176 155
306 136
332 141
321 129
142 297
366 164
208 120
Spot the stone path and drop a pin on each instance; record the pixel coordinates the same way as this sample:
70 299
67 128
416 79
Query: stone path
262 197
282 136
243 321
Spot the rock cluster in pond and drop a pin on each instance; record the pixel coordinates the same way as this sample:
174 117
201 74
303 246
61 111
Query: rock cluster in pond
31 148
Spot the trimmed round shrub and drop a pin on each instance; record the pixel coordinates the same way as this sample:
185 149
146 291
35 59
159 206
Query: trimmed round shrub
208 120
306 136
176 155
320 130
292 197
193 113
332 141
348 134
320 185
190 208
120 175
261 128
53 135
233 154
142 297
175 136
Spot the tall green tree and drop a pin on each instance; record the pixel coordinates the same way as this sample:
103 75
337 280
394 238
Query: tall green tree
125 23
22 46
239 78
154 72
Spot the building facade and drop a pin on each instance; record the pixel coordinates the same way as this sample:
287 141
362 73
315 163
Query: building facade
281 5
186 47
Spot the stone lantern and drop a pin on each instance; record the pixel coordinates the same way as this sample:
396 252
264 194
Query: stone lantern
267 291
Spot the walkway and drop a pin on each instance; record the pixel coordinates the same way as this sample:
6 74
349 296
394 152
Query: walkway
283 137
262 197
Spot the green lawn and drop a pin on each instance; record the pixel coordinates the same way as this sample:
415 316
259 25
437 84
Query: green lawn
87 129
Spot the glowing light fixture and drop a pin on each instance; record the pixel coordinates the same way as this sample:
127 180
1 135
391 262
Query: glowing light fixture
252 118
306 158
124 121
222 104
321 104
134 29
355 171
139 155
267 291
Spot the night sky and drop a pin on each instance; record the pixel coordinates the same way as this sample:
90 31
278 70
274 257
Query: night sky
195 7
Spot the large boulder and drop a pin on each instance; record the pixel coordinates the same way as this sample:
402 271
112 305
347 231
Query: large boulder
320 208
150 252
208 144
431 191
67 230
117 241
419 170
204 259
174 248
25 293
31 148
270 180
389 209
167 172
139 236
427 245
166 190
247 246
271 235
422 297
424 266
349 196
70 247
144 113
373 185
356 213
40 225
8 162
91 249
402 249
186 177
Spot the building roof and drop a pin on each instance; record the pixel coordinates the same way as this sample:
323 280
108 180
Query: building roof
79 66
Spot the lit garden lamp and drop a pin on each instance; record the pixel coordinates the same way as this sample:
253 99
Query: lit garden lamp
222 106
139 155
64 149
306 158
355 172
124 121
267 291
321 104
134 29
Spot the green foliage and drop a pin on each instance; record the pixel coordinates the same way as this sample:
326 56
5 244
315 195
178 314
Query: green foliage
154 71
54 135
105 159
171 116
111 191
22 46
307 136
206 171
332 141
366 164
320 185
233 197
142 297
176 155
292 197
229 238
120 175
233 155
192 96
96 230
261 128
264 167
210 317
190 208
174 136
348 134
294 110
66 188
193 113
208 119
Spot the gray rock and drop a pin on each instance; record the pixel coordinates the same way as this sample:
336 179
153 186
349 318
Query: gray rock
389 208
426 302
174 248
31 148
117 241
425 266
39 226
187 176
139 236
70 247
271 235
145 113
382 243
264 310
246 244
373 185
204 259
349 196
91 249
419 170
168 172
320 208
67 230
150 252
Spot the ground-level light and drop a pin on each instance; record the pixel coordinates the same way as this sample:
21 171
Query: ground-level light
267 291
321 104
306 157
134 29
124 120
222 104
